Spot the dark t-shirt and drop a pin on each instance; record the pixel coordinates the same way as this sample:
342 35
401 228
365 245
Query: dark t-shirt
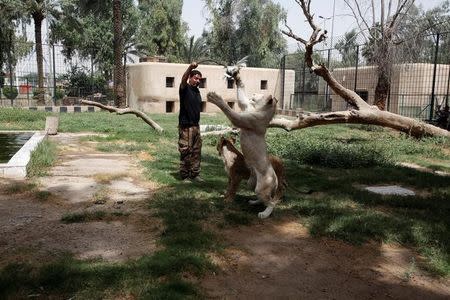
190 106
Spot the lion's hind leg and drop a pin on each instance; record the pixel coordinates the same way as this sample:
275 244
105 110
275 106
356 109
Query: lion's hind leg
265 190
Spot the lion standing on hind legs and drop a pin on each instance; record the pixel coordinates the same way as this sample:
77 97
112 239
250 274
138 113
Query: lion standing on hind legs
253 122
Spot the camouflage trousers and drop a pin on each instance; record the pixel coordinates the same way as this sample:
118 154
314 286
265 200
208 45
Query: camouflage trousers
190 147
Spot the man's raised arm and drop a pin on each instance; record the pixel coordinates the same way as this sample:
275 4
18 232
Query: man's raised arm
185 77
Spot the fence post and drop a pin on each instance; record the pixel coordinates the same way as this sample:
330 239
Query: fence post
388 101
11 81
448 84
54 75
327 90
28 91
303 82
436 52
356 67
2 81
92 77
283 79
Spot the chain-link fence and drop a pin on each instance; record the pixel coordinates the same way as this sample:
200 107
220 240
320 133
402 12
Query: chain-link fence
418 76
65 81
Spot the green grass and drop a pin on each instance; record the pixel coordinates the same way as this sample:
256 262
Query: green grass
334 161
85 216
43 195
42 158
19 187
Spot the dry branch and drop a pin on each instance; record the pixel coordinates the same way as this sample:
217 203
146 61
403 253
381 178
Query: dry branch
372 116
361 112
123 111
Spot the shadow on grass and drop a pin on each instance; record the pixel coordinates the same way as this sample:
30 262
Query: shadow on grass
345 211
185 244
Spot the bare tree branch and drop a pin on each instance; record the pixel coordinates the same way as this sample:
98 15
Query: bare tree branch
399 12
357 21
123 111
291 34
388 17
362 112
371 116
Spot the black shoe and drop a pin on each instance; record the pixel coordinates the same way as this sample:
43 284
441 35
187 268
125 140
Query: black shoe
198 179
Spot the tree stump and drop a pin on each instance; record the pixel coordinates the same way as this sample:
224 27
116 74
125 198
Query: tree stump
51 125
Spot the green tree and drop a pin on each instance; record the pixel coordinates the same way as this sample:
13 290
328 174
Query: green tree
347 48
86 33
161 31
86 28
8 15
221 38
262 17
246 27
13 46
418 34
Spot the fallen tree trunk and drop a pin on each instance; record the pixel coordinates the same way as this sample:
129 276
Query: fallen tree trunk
123 111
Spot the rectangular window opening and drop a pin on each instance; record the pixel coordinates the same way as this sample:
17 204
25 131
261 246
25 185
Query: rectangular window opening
202 84
170 106
363 94
230 83
170 82
263 84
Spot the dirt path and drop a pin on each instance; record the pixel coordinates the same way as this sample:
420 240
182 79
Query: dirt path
82 182
280 260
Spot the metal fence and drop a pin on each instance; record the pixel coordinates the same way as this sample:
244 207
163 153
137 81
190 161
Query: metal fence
419 77
20 80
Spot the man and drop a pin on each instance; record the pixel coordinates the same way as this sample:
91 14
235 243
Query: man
189 141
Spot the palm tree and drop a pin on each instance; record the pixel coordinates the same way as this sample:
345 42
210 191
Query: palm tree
39 10
194 50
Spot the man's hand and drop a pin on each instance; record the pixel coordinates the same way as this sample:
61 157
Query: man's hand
193 65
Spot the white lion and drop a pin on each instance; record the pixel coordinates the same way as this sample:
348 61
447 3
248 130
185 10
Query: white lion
253 121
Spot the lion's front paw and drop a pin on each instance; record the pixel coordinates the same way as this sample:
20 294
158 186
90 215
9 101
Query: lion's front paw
213 98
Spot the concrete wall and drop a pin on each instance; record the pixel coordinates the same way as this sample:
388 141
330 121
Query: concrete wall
411 86
147 91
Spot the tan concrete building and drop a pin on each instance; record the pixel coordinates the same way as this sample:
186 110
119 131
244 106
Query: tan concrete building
153 86
411 87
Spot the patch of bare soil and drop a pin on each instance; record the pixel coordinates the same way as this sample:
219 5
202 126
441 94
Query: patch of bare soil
278 259
82 181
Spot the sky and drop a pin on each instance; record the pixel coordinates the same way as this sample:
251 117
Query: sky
195 15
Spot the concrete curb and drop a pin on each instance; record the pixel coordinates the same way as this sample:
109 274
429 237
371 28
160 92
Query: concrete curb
17 165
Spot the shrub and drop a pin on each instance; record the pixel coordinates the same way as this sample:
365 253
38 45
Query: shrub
59 93
80 84
10 92
316 150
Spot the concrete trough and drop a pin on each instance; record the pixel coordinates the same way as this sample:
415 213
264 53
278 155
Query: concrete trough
16 167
